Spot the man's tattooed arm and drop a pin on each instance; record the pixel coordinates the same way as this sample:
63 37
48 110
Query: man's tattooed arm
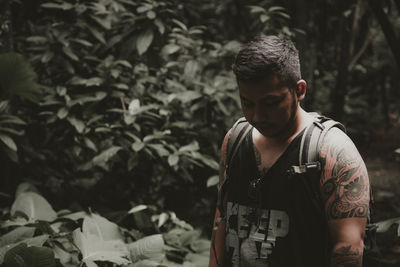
347 257
345 191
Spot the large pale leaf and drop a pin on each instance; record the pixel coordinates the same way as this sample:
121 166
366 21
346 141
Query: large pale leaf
100 226
93 248
34 206
25 187
146 263
18 234
150 247
22 255
100 240
17 77
33 241
383 226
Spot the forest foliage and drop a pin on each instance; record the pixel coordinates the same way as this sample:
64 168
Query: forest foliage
109 105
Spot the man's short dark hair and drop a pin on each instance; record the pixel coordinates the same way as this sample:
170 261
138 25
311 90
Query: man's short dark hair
266 56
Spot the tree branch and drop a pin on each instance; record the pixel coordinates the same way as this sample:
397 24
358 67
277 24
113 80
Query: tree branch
387 28
357 56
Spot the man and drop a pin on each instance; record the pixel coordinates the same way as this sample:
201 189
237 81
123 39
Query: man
278 227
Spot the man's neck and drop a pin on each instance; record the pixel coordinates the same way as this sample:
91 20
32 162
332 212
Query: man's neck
300 121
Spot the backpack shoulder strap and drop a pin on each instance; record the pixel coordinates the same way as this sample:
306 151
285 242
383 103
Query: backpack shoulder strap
313 138
237 134
309 163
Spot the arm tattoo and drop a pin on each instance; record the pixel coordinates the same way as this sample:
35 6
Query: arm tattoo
346 257
345 185
257 155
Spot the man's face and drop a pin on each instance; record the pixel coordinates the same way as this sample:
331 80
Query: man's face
268 106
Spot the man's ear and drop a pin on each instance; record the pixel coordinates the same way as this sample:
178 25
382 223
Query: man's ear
301 88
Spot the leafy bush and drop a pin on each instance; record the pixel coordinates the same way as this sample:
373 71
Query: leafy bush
36 235
136 100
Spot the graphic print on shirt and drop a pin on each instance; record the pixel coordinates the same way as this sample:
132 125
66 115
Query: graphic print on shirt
252 233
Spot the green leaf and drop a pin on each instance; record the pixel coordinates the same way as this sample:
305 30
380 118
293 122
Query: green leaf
160 150
18 78
123 63
173 159
151 14
25 187
193 146
121 86
137 208
62 113
8 130
90 144
69 53
188 96
160 26
97 35
82 42
78 124
47 56
145 7
169 49
212 181
383 226
191 69
63 6
11 120
144 40
207 160
34 206
276 8
162 219
8 142
137 146
37 39
106 155
257 9
22 255
151 247
264 18
104 22
180 24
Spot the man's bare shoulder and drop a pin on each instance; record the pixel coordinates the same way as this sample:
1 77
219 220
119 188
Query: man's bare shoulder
344 181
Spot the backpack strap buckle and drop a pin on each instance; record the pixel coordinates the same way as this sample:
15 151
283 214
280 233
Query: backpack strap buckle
305 168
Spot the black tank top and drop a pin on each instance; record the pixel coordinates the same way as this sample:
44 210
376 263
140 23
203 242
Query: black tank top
277 227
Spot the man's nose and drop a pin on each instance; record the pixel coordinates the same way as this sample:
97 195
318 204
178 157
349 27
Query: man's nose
259 114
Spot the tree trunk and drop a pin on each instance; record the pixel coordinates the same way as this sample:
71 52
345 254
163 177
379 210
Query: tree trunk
384 101
339 91
301 17
387 28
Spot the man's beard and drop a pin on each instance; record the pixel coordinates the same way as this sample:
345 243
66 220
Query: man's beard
290 123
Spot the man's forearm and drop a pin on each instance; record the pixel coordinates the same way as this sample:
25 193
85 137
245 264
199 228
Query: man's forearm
347 255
